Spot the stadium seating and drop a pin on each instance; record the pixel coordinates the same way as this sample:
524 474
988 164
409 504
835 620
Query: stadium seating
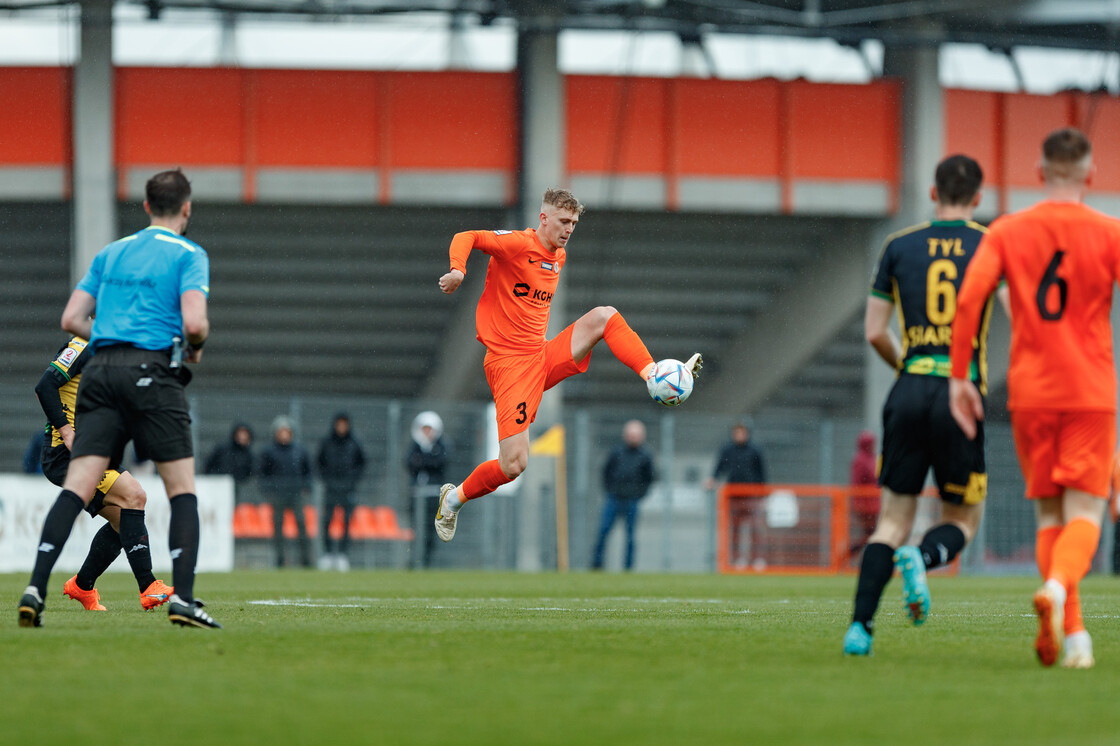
379 523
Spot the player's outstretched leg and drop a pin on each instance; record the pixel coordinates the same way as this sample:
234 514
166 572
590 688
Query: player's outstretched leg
915 587
90 599
446 515
1049 603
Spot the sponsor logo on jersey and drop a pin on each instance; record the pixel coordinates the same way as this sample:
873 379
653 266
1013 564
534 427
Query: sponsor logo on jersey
551 266
502 233
522 289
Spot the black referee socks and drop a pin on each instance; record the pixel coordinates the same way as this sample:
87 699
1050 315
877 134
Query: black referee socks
183 539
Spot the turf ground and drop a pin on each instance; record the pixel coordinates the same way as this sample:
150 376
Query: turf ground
474 658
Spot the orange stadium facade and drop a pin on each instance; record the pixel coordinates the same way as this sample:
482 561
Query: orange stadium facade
677 144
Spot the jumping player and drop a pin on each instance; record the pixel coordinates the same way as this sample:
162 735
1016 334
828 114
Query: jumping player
119 497
1060 259
511 320
920 271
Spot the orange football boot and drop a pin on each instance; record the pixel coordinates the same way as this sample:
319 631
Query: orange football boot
90 599
155 595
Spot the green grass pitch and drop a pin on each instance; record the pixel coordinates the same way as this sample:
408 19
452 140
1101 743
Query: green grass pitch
500 658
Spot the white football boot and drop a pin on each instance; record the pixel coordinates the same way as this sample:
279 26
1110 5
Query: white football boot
694 364
445 519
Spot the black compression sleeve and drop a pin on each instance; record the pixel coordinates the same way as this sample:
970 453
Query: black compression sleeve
46 390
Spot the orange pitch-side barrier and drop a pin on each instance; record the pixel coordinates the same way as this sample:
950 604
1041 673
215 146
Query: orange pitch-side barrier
793 528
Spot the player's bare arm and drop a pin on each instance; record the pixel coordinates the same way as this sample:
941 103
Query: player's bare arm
76 316
966 405
451 281
877 331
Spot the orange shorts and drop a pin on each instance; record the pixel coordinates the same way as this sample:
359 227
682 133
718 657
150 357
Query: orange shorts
1064 449
517 382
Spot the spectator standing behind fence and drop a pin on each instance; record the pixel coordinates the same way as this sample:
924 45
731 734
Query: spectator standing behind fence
341 465
864 472
234 457
285 472
427 464
31 463
739 462
627 476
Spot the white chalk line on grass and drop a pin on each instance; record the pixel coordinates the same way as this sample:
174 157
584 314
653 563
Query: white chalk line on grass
547 605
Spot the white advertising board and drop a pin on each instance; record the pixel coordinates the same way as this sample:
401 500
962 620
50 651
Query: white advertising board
25 500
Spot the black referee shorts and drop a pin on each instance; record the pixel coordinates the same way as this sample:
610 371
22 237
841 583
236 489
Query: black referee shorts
919 433
131 393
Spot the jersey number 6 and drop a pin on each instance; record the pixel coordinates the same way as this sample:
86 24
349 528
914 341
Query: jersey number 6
1051 279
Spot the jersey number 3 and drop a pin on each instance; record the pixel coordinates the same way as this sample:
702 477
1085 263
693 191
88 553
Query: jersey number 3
1049 280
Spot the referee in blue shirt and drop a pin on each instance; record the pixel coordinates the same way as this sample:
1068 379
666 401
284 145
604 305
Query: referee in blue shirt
147 289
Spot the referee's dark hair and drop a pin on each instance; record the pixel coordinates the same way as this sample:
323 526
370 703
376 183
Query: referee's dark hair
957 179
166 192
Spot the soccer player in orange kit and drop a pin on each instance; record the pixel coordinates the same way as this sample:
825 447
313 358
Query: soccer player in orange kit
511 320
1060 259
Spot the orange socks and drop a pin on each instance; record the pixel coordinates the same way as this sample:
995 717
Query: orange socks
626 345
1073 552
1044 540
485 478
1065 553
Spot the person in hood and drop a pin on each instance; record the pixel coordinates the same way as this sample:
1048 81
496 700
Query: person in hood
233 457
427 464
285 471
341 465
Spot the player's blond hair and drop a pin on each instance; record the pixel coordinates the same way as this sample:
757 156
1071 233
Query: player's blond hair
561 199
1067 155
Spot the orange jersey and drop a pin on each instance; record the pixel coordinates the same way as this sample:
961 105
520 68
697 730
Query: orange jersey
512 314
1060 260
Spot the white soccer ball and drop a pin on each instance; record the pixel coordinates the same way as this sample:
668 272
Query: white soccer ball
670 383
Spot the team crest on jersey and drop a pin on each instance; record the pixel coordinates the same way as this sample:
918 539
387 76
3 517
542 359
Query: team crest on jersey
502 233
68 356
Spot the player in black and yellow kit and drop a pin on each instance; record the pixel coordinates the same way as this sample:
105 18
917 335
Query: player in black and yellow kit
919 273
119 498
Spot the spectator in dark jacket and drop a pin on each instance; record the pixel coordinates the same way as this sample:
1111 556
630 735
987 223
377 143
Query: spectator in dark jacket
426 462
285 472
31 455
740 462
234 457
341 465
627 476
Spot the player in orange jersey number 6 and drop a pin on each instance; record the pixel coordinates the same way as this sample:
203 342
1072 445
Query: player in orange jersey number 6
1060 259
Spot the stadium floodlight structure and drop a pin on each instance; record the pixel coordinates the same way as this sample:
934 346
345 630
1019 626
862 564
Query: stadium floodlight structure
1000 24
